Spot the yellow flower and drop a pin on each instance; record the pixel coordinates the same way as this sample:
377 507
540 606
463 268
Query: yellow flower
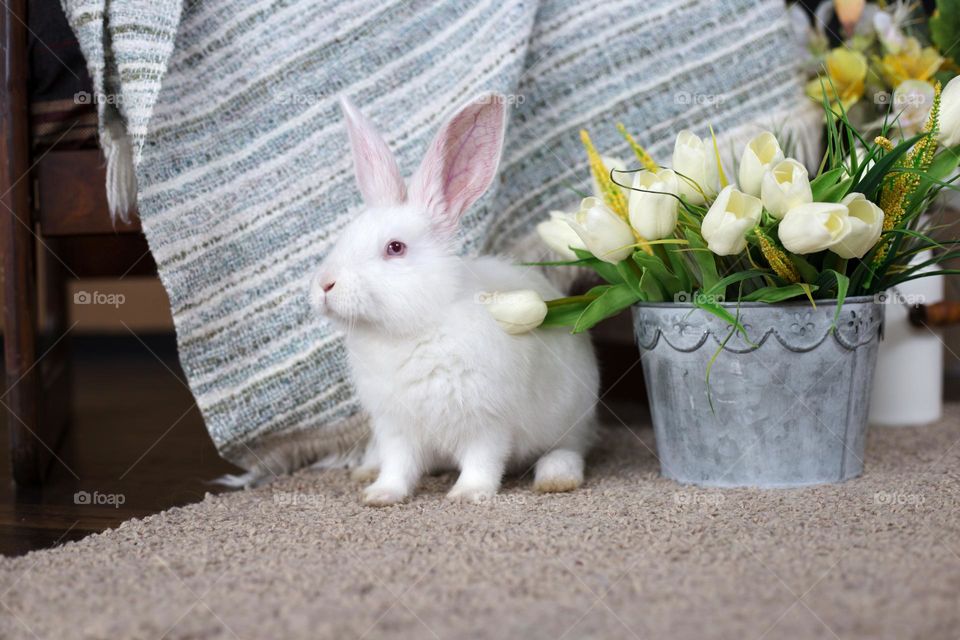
846 72
911 63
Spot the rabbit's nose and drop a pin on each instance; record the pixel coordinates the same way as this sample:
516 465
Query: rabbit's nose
328 285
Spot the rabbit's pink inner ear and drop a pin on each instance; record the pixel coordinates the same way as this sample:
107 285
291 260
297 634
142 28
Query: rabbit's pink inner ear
461 161
378 175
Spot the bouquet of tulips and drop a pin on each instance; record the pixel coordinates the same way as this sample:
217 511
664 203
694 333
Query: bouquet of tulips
686 233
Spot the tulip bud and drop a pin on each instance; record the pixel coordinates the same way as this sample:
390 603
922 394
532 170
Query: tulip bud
729 219
605 233
557 234
785 186
517 311
760 155
694 160
849 12
866 225
949 135
814 227
654 215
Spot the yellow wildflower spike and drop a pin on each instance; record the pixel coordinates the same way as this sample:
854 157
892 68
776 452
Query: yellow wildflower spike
899 188
641 153
611 193
716 149
777 258
922 154
884 143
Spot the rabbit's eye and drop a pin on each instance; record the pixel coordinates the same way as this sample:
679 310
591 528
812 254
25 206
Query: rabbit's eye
395 248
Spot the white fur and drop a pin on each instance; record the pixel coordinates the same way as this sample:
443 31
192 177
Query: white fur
444 385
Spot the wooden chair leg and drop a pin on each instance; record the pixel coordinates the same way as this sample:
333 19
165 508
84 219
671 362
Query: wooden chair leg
29 456
32 437
53 344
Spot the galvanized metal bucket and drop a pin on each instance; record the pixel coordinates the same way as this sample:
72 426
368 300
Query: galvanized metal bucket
785 408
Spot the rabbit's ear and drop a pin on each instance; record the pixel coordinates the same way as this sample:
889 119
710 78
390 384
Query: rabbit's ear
461 162
376 169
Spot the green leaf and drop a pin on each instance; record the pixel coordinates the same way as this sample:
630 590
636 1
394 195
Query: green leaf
650 290
720 287
943 166
654 265
702 302
944 27
678 265
610 303
824 181
778 294
917 276
836 192
605 270
630 275
558 263
843 283
704 259
807 271
870 182
564 315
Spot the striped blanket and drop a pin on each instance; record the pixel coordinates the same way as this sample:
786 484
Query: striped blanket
245 178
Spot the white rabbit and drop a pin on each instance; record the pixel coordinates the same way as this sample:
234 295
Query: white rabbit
444 385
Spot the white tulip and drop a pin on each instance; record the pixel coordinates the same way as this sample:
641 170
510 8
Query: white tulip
949 135
785 186
729 219
517 311
605 233
866 225
654 215
695 160
612 164
760 155
557 234
814 227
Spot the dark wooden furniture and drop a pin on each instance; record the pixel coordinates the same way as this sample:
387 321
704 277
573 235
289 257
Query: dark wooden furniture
55 226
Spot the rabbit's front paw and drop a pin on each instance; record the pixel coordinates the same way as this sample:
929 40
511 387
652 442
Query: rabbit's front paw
382 496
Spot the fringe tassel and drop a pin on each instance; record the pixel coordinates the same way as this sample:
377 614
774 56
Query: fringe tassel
340 446
121 173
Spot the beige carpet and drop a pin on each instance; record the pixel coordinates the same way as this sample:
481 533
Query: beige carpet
630 555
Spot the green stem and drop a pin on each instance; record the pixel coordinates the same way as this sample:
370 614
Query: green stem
571 300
